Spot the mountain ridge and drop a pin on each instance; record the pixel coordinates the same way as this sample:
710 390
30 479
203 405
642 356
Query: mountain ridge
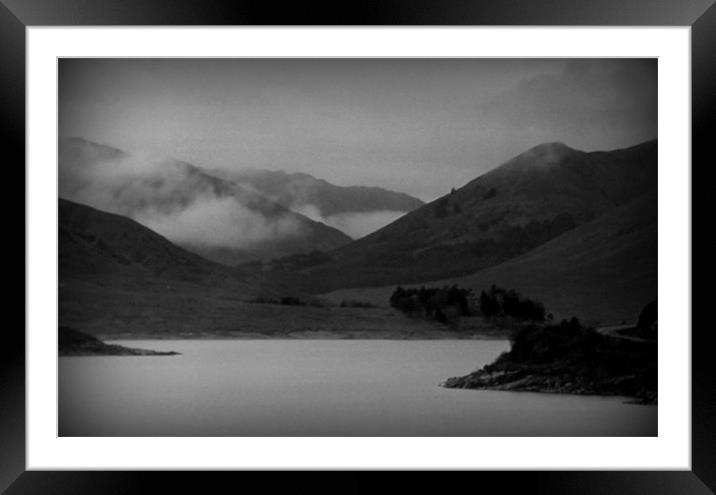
299 189
576 230
602 271
113 249
180 200
501 214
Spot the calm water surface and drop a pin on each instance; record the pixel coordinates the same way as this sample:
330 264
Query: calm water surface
319 388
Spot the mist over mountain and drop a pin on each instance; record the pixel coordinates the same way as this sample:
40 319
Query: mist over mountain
117 276
518 206
576 230
219 219
355 210
112 250
551 218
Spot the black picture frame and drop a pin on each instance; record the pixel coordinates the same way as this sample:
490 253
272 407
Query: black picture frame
16 15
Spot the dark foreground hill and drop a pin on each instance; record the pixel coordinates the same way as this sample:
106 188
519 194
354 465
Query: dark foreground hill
115 251
116 275
533 198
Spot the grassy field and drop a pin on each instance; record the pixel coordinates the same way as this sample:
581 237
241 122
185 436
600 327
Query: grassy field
112 314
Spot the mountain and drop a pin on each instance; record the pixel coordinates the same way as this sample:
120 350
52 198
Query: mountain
117 276
115 251
356 210
502 214
574 230
221 220
299 190
603 271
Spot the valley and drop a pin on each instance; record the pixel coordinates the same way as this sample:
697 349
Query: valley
575 230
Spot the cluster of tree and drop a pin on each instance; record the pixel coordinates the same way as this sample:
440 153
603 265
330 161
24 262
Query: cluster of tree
444 304
602 364
351 303
568 357
292 301
501 302
289 301
540 344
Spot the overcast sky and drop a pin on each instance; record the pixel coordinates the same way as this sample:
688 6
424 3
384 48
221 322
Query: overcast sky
420 126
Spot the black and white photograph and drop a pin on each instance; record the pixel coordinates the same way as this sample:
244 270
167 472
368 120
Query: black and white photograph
357 247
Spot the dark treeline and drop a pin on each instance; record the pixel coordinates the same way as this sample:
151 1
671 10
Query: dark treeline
288 301
352 303
501 302
312 302
447 304
444 304
537 343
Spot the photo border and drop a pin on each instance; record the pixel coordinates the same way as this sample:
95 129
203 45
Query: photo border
700 15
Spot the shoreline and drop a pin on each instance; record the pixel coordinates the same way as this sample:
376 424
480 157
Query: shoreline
74 343
307 336
111 350
563 384
569 358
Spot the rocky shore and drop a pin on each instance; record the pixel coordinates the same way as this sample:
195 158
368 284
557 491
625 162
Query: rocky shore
553 382
570 359
74 343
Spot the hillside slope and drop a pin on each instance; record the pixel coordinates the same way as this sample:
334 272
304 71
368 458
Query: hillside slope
502 214
109 249
603 271
116 275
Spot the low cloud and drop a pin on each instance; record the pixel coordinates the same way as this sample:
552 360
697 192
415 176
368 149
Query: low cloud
172 198
187 206
354 224
217 222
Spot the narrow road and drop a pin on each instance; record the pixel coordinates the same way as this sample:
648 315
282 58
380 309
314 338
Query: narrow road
613 331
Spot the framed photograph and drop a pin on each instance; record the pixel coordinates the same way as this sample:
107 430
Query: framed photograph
420 237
